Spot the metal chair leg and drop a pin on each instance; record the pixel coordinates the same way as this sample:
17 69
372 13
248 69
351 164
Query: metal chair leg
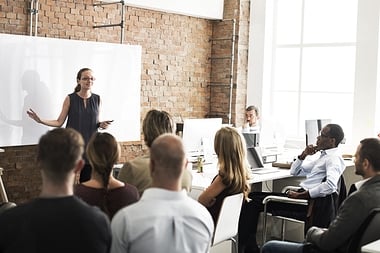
265 225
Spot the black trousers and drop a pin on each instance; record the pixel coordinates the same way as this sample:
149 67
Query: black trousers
250 215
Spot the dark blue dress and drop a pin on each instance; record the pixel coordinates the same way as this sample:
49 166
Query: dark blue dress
85 120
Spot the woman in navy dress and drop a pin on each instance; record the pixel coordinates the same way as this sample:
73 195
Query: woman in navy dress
81 109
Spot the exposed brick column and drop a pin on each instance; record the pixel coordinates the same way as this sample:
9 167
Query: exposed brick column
221 63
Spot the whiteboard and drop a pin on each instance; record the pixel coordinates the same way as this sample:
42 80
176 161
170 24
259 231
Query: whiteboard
39 73
210 9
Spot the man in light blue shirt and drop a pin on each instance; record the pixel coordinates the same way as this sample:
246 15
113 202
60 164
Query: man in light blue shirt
165 219
322 165
340 234
325 166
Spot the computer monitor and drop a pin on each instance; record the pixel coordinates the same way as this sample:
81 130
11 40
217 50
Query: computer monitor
312 129
254 157
198 135
251 139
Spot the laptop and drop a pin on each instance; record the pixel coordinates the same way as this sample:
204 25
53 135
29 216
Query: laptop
255 161
251 139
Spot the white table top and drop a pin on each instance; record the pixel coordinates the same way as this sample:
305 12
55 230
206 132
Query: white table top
203 180
373 247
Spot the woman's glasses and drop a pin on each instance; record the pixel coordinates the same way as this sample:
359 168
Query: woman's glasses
88 78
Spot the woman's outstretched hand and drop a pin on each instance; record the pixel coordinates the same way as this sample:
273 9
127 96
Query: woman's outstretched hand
32 114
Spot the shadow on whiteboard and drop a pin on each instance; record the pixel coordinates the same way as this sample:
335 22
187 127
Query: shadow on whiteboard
35 94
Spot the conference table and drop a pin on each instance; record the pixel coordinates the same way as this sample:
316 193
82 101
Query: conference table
260 180
201 180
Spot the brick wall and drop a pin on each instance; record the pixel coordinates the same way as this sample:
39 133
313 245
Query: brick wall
177 72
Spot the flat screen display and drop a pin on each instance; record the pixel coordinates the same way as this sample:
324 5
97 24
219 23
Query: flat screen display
251 139
198 135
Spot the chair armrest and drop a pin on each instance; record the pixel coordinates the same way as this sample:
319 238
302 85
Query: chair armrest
290 188
285 200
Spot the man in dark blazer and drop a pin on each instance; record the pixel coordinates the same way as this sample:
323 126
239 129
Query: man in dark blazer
353 211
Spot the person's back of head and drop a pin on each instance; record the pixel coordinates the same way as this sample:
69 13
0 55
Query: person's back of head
156 123
59 151
231 151
167 161
103 151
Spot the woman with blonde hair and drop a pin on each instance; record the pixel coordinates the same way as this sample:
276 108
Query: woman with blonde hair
232 177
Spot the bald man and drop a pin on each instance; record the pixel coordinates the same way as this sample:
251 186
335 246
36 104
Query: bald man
165 213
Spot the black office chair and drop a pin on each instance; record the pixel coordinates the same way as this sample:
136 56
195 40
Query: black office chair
368 232
321 210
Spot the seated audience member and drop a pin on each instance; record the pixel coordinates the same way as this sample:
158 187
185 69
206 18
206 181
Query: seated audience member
322 170
103 190
136 171
165 219
251 119
352 212
56 221
232 176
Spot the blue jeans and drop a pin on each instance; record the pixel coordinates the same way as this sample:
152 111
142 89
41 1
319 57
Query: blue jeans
282 247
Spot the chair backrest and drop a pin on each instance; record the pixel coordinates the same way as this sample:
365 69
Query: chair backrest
228 219
324 209
368 232
342 190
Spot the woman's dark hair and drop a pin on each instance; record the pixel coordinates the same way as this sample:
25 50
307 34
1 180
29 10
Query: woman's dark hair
79 76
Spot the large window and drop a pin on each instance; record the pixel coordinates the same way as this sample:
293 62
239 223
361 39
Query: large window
308 63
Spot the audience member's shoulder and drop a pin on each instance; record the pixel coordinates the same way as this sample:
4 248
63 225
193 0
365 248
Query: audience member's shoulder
135 165
131 190
195 205
90 212
140 160
123 212
18 210
7 214
201 212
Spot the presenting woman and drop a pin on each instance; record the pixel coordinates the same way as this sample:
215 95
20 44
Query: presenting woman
81 108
